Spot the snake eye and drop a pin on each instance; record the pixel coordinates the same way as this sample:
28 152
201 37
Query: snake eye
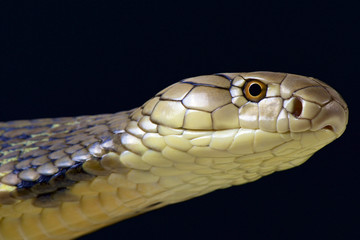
255 90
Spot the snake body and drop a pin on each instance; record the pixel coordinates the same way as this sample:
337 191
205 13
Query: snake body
64 177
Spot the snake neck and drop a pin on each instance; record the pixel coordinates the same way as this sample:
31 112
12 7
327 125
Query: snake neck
183 164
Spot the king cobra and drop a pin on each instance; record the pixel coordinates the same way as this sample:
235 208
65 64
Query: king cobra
65 177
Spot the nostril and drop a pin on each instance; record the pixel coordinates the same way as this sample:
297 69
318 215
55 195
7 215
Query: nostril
297 108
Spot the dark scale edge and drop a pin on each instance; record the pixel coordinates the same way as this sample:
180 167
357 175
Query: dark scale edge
24 158
8 129
23 136
19 170
45 147
44 179
45 188
104 138
76 173
46 201
76 129
54 131
5 145
200 84
21 159
61 172
56 179
5 139
33 127
223 75
59 179
25 184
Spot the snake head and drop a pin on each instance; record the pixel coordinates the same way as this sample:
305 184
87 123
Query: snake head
275 119
272 102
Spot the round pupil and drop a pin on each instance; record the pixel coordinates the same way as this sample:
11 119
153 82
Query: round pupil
255 89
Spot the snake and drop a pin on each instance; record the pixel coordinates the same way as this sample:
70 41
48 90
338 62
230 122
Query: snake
61 178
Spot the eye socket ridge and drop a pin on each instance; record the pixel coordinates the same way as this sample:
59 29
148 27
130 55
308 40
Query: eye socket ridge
255 90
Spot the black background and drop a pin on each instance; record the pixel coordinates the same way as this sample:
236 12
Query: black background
68 58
